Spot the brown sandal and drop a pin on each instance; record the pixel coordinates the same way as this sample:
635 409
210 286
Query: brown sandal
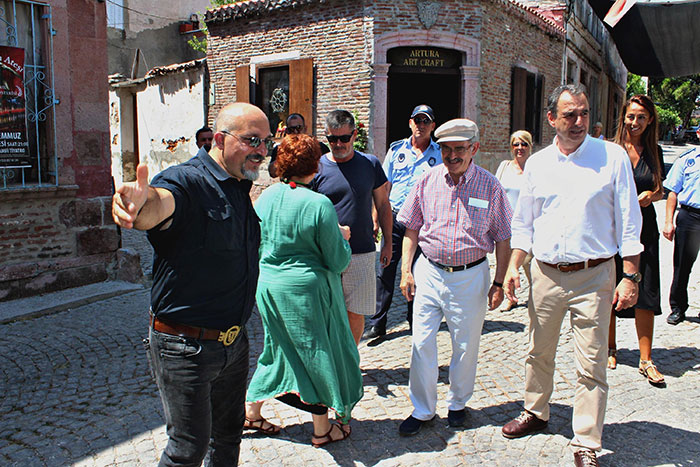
612 359
328 439
259 425
651 373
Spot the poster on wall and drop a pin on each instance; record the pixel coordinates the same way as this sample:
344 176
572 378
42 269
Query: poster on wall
14 148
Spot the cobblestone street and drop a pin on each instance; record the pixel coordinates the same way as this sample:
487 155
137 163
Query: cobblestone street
76 390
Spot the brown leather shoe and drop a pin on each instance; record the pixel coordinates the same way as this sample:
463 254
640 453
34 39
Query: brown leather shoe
524 424
585 458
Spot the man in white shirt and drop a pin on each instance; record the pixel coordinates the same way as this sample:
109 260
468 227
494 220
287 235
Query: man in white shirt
578 209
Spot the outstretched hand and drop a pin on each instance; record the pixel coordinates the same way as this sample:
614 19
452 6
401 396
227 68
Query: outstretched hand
130 198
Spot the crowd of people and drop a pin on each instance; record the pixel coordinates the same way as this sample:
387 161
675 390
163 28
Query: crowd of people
576 216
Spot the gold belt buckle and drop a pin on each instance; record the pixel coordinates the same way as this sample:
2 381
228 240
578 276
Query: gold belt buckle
229 336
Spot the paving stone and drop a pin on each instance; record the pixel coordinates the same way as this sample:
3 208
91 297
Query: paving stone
76 395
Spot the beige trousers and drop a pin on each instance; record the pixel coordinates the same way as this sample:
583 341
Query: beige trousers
588 295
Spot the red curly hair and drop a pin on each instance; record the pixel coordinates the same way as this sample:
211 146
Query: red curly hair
298 156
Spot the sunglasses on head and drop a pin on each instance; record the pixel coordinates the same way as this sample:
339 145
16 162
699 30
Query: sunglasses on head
253 141
518 144
342 138
294 129
423 120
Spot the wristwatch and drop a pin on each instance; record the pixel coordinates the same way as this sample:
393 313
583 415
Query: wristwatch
636 277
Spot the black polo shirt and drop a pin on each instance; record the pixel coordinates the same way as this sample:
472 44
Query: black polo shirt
205 264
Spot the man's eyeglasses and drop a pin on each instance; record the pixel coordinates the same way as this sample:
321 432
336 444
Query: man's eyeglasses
419 120
518 144
458 151
253 141
342 138
295 129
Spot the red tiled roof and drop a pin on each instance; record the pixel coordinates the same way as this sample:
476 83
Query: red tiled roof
252 8
256 7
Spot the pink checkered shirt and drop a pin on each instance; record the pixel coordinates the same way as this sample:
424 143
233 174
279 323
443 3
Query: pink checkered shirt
457 224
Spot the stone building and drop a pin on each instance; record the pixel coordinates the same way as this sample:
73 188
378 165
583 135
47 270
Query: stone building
55 224
493 61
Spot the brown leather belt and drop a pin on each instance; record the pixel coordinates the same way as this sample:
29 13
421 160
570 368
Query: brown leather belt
570 267
183 330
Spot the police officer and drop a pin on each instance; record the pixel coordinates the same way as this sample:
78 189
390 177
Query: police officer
683 183
405 162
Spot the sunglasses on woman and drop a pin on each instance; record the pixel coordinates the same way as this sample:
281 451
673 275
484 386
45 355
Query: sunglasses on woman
518 144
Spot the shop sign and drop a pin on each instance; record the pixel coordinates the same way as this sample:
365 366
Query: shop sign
14 149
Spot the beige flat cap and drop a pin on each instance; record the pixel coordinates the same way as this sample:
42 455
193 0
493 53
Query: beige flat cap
459 129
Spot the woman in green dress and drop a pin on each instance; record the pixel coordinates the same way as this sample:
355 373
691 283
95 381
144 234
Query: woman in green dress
309 359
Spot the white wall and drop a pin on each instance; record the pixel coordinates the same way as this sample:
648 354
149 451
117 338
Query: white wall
170 110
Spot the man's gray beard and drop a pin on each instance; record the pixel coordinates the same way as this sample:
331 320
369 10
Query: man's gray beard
344 156
251 175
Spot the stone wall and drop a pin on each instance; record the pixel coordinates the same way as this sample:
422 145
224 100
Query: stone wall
54 242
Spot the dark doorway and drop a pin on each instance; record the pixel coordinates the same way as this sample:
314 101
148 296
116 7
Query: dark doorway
421 75
407 90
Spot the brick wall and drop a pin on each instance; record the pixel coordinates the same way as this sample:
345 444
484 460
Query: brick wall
335 34
463 17
508 40
339 36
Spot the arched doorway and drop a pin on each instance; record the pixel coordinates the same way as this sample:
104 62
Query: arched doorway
421 75
466 99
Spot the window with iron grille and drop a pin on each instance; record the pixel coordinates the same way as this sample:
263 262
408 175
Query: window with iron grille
27 99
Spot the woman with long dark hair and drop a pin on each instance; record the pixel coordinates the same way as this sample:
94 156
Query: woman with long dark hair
637 132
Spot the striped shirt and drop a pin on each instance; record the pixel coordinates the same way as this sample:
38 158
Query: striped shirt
457 224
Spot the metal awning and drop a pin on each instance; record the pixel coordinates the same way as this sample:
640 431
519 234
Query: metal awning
657 38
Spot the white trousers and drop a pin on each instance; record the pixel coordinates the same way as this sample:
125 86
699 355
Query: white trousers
460 297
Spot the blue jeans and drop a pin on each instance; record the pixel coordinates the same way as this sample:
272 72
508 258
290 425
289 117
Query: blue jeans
202 386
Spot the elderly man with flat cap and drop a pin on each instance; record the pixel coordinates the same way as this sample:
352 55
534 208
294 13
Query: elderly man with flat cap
456 213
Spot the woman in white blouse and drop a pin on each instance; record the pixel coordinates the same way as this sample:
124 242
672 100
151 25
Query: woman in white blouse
510 174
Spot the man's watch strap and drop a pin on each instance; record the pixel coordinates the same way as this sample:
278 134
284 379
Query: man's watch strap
636 277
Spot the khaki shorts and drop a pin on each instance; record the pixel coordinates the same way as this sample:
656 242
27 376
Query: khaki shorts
360 284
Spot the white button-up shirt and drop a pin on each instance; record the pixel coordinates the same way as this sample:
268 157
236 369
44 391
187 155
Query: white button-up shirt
578 207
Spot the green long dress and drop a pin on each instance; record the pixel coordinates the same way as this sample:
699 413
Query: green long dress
309 349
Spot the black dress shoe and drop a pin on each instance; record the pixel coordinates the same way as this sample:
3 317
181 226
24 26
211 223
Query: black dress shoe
374 332
412 425
524 424
457 418
675 317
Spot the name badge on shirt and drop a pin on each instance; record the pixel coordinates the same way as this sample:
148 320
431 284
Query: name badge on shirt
478 203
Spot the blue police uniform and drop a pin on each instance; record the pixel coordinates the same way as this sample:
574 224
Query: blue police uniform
403 167
684 180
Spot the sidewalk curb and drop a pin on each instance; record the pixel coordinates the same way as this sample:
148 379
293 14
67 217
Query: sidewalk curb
55 302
